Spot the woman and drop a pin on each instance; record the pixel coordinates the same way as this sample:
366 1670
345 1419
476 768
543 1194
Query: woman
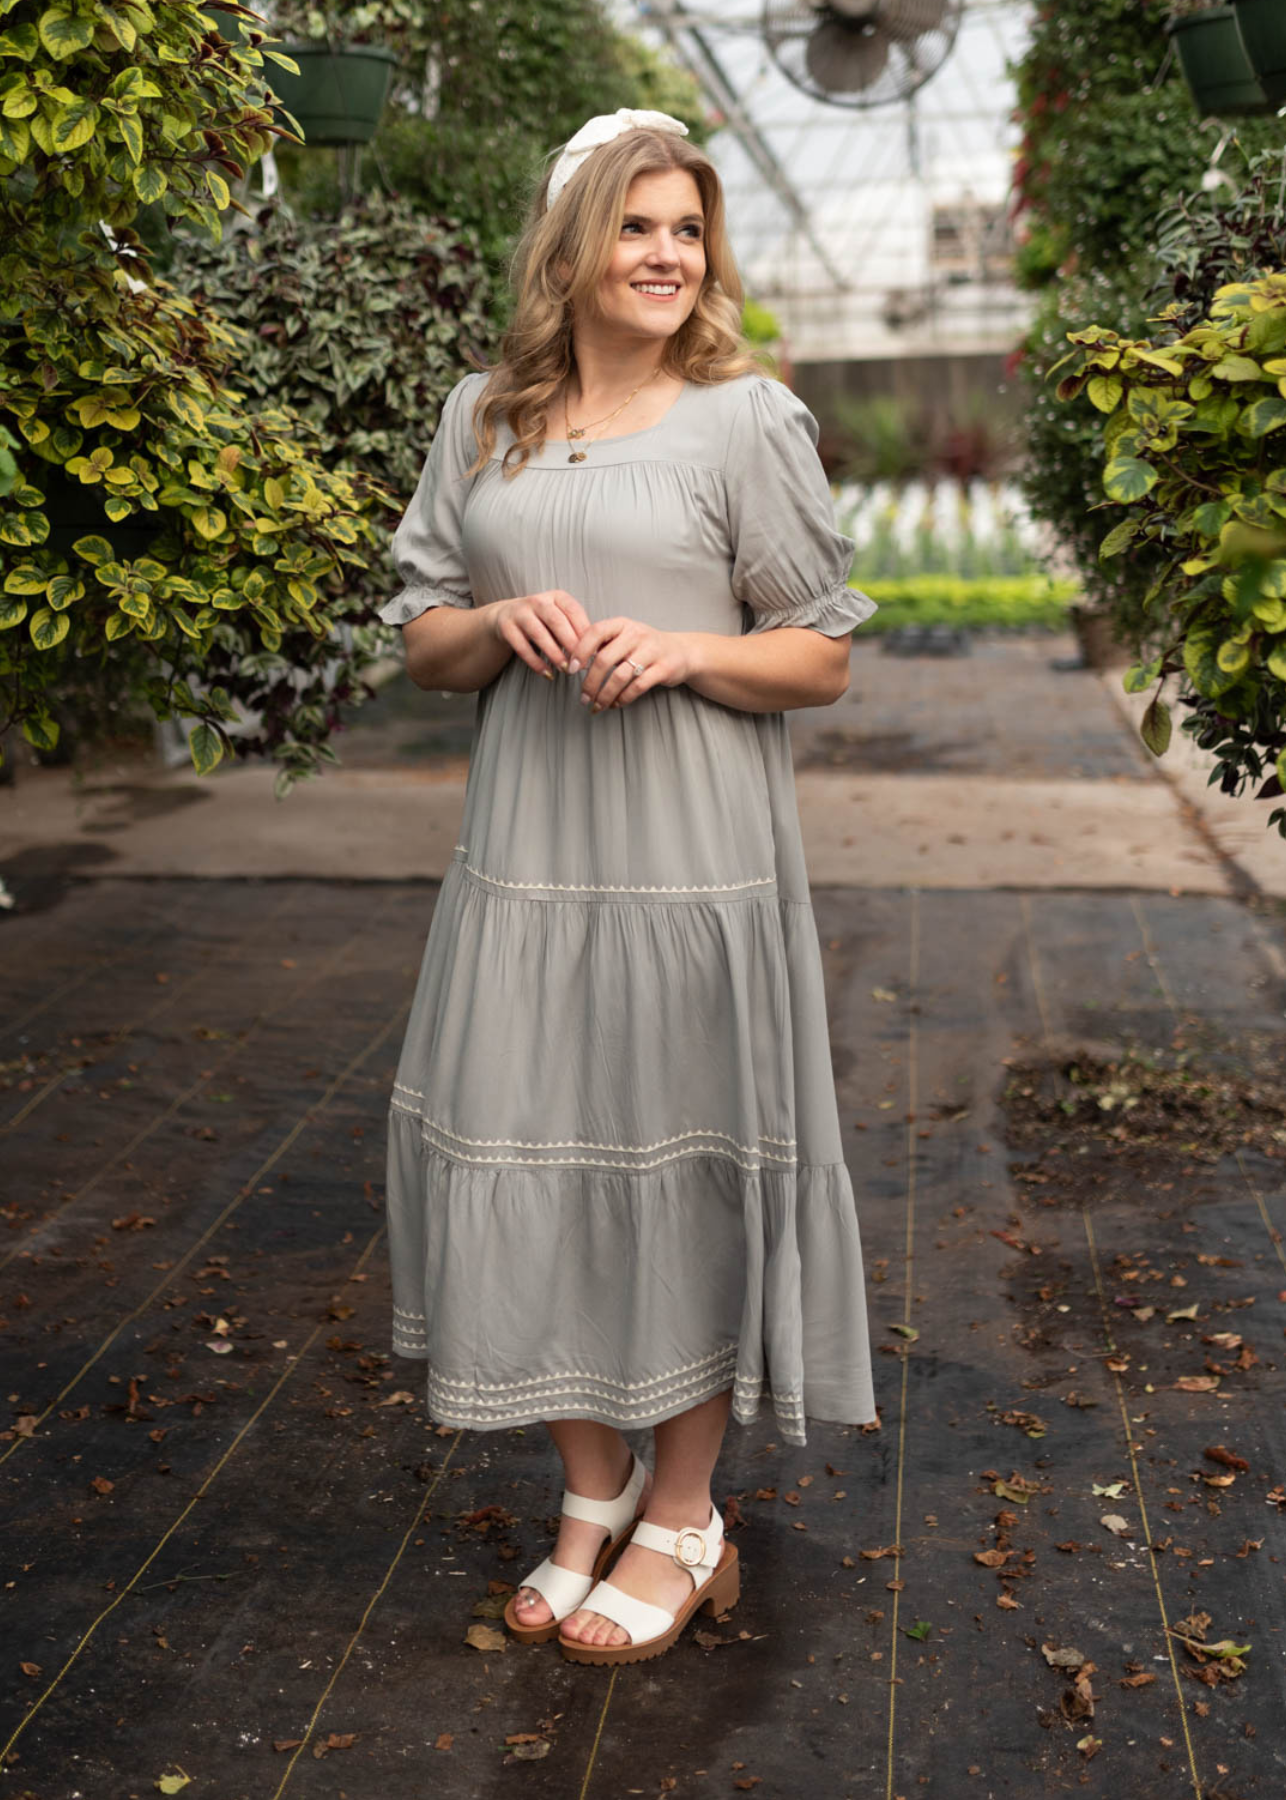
616 1190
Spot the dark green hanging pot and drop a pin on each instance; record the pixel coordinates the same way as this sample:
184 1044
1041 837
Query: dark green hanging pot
1262 25
1215 65
337 96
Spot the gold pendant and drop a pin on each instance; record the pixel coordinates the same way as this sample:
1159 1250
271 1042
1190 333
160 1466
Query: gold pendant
576 431
577 456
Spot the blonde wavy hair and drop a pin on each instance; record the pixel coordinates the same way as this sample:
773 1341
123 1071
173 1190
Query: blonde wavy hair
561 258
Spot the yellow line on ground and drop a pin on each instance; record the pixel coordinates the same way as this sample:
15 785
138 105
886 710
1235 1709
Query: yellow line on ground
305 1118
421 1500
1274 1236
26 1111
292 1362
602 1720
1138 1494
1038 986
913 977
1105 1315
225 1056
1154 961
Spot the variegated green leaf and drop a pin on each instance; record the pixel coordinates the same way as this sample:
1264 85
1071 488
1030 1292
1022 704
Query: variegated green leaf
63 33
206 747
74 126
1128 478
48 628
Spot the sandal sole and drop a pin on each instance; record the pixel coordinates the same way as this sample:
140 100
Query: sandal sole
720 1593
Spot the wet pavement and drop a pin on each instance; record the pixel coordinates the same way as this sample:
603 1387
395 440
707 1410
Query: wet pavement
237 1551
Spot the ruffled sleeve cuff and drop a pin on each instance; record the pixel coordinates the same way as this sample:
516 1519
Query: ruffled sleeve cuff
411 601
840 610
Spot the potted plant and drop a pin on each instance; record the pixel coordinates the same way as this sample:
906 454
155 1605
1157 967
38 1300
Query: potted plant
1213 59
1195 456
341 64
1262 25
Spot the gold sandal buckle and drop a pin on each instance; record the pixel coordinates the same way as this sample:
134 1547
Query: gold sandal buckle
689 1547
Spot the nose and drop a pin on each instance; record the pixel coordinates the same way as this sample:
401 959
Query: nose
663 249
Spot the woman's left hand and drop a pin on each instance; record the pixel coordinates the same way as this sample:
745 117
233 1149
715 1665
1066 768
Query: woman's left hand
610 648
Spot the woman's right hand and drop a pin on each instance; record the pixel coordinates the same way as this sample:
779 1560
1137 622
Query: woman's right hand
540 628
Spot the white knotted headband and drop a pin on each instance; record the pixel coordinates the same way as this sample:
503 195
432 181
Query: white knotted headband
599 130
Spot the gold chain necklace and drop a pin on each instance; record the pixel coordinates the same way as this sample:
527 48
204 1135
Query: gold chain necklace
578 431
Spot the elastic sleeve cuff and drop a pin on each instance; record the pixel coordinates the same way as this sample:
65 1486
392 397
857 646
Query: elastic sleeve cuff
412 601
832 614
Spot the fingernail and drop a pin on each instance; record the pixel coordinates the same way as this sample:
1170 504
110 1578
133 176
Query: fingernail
584 699
548 674
573 665
595 708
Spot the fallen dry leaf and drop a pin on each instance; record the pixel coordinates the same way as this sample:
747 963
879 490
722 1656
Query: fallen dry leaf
444 1740
992 1559
1197 1384
1221 1454
1061 1658
1115 1523
486 1637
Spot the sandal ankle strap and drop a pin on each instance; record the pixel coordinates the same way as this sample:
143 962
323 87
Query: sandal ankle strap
616 1514
695 1548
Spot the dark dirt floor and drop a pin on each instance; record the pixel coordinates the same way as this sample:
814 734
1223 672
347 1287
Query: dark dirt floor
230 1532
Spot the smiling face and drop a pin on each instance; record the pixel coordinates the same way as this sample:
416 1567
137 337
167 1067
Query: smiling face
653 280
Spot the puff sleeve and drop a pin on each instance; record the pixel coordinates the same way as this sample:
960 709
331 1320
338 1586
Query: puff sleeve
427 543
790 564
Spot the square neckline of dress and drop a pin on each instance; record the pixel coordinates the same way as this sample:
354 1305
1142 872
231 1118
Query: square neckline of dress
624 437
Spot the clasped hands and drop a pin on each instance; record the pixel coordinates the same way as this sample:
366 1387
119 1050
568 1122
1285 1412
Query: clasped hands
552 630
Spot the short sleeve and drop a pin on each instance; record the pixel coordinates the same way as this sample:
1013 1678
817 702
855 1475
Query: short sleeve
790 564
426 545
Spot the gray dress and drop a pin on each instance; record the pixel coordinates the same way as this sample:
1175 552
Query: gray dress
615 1178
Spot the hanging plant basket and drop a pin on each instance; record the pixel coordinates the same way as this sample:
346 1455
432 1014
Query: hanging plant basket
1215 64
1262 25
337 96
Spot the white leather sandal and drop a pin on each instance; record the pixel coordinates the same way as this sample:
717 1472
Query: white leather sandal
563 1589
712 1564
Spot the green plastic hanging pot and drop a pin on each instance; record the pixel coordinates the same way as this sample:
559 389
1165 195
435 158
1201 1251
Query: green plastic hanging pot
337 96
1262 25
1215 64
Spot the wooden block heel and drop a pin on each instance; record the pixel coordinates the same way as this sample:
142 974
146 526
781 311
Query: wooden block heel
703 1552
725 1590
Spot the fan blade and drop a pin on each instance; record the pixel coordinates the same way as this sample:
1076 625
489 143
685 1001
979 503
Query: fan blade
856 12
906 19
844 61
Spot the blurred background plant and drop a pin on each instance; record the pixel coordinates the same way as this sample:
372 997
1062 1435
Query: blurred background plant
1110 139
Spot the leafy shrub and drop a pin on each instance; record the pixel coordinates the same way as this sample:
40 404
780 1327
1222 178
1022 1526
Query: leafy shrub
1192 457
361 323
122 389
1109 136
1006 602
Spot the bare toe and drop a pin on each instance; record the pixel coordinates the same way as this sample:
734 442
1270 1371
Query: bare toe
532 1608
